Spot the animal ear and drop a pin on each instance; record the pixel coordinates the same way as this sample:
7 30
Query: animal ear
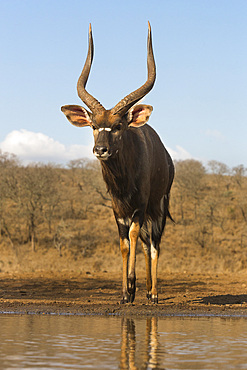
139 115
77 115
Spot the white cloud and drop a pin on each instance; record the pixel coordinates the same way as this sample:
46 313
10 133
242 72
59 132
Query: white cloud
179 154
33 147
37 147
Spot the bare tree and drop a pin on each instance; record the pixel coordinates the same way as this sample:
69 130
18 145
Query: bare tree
239 173
38 195
9 197
189 180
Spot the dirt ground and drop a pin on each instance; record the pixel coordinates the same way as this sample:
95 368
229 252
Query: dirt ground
100 294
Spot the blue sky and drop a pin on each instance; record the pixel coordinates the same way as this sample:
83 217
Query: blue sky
200 95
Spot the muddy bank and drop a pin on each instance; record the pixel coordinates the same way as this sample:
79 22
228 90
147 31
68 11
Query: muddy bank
100 294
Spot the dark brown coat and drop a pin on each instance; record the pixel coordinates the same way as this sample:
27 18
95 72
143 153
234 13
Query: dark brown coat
137 170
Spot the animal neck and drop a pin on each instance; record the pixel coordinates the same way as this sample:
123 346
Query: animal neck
119 172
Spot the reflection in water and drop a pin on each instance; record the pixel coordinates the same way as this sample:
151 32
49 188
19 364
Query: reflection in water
89 342
128 345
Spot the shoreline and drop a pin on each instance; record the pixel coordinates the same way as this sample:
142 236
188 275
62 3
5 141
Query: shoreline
191 295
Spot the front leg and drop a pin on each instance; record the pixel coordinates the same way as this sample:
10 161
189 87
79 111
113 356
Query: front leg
124 246
129 230
155 251
123 229
133 237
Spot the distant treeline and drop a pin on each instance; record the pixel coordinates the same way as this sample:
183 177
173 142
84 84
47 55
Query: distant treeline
68 208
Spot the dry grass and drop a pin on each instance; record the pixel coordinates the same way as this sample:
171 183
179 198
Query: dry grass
210 234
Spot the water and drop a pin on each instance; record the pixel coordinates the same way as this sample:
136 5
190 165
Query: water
89 342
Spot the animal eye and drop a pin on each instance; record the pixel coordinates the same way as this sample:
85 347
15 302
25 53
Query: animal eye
93 127
117 127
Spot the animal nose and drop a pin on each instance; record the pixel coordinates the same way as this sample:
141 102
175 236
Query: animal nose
100 150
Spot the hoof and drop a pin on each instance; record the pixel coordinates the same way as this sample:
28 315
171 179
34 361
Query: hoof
154 299
125 299
132 297
131 289
131 285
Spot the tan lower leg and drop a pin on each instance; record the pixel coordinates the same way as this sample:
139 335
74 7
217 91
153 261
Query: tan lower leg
124 246
155 257
147 254
133 236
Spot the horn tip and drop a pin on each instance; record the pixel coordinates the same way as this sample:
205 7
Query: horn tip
149 26
90 28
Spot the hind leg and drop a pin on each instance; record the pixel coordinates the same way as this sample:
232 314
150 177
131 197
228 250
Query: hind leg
147 254
155 251
157 230
146 245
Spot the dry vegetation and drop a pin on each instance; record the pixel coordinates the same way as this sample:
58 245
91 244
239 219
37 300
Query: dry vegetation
58 219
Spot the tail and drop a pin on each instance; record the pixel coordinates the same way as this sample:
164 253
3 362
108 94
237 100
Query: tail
170 217
166 204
